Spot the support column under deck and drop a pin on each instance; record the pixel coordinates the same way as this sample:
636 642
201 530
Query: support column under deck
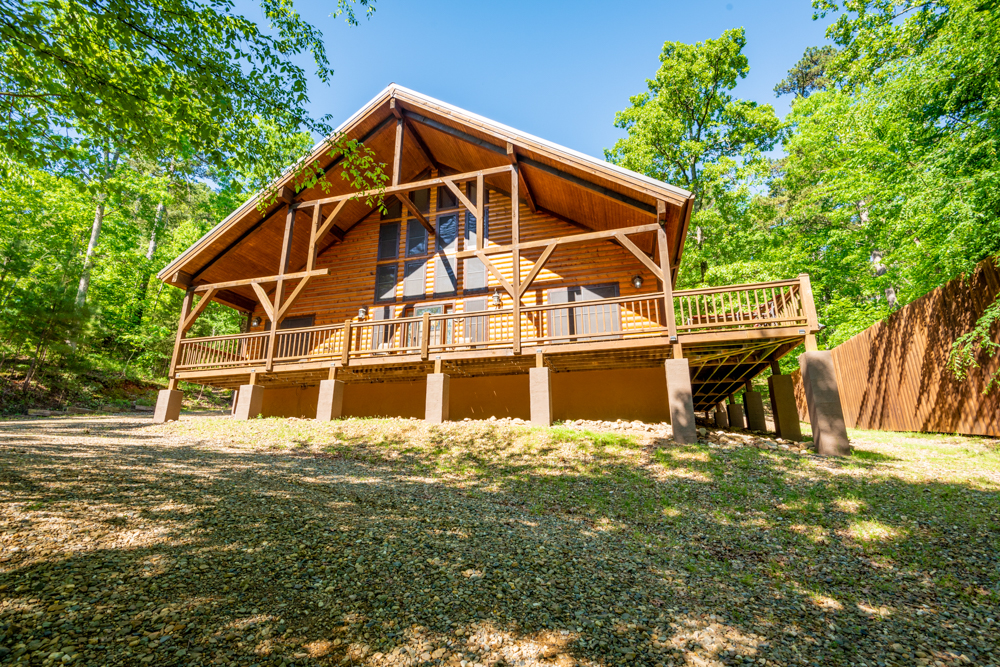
168 406
540 387
436 406
735 413
681 401
721 415
826 414
249 402
786 415
330 404
753 403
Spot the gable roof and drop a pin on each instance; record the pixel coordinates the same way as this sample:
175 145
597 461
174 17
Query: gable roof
578 188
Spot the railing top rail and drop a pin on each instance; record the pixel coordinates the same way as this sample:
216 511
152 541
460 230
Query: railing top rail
737 288
320 327
595 302
209 339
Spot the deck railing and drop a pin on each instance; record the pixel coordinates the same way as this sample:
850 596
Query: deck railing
716 309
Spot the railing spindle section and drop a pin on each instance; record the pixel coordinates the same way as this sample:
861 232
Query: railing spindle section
776 304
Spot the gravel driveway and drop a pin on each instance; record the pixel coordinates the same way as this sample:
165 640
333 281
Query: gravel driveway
387 542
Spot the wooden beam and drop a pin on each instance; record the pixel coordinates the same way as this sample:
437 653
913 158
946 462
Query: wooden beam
198 309
185 311
422 148
667 282
515 232
291 297
573 238
458 134
466 202
407 187
593 187
640 255
265 279
265 302
311 256
286 194
536 268
480 212
330 219
512 157
397 162
415 212
496 273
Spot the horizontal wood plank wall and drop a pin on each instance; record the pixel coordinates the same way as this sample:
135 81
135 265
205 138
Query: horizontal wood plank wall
893 375
351 283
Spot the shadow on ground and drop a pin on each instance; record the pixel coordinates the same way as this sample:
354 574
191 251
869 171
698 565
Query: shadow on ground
140 545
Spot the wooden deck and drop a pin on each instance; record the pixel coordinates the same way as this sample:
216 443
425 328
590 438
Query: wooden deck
728 334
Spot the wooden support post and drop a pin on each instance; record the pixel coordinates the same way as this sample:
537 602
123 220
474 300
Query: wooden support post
185 311
775 367
668 287
437 364
313 228
808 305
398 155
345 355
172 384
528 197
253 377
539 359
286 251
480 211
515 227
425 336
677 351
811 344
332 375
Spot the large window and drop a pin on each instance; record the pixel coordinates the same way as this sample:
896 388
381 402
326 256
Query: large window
445 247
476 277
414 279
388 241
385 282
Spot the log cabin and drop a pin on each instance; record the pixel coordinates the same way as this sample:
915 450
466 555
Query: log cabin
503 275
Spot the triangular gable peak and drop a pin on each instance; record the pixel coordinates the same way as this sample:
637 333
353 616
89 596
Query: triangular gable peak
440 139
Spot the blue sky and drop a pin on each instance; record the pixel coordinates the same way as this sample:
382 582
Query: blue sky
558 70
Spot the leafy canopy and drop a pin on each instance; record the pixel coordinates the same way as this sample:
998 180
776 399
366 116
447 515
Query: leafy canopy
176 77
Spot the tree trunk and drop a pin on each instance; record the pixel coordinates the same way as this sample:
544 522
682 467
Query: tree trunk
31 368
88 263
161 209
95 230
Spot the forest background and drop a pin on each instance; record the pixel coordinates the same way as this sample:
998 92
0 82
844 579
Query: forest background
130 129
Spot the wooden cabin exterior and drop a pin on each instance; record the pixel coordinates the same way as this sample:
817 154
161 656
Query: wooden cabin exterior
373 307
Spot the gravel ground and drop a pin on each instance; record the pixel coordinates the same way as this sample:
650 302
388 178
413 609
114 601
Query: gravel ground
388 542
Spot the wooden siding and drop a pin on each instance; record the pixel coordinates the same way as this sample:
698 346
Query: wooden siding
893 376
351 282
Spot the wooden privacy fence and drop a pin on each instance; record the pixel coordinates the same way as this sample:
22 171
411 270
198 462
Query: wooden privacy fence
894 377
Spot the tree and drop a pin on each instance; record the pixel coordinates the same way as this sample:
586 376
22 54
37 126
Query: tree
180 77
687 129
892 174
809 74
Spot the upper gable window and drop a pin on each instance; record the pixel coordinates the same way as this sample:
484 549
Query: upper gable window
393 209
388 241
446 198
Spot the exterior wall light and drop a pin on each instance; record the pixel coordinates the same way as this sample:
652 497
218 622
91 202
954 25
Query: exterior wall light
496 300
637 281
256 322
362 313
